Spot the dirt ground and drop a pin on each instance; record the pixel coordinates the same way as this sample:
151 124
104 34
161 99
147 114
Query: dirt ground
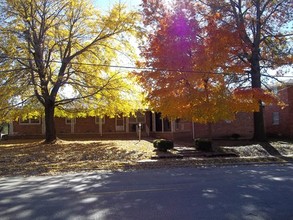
33 157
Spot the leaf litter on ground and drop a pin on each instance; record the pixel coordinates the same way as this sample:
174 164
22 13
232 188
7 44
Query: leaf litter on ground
33 157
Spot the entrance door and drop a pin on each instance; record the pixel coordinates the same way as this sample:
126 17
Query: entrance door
158 122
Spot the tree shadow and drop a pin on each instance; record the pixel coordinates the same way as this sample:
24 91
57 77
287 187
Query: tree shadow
274 152
36 158
254 192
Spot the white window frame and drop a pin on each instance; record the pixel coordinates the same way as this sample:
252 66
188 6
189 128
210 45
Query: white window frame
119 127
29 121
72 121
177 124
276 118
97 120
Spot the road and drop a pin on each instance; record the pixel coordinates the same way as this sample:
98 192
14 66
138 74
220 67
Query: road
230 192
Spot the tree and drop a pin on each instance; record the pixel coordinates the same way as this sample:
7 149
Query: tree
265 38
53 46
183 82
204 73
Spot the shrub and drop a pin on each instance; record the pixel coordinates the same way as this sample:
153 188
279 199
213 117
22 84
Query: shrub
203 145
163 144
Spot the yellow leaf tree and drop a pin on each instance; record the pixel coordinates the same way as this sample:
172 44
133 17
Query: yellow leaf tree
55 59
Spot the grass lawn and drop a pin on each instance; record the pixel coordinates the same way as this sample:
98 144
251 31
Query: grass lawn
32 157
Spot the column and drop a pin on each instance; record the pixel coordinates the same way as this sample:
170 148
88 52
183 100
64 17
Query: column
154 121
10 128
72 125
172 126
127 124
101 126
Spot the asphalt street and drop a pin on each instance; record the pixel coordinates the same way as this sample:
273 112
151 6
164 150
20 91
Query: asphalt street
230 192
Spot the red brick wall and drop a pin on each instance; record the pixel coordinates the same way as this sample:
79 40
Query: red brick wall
161 135
61 126
288 118
243 126
26 129
86 125
81 126
110 124
183 136
285 127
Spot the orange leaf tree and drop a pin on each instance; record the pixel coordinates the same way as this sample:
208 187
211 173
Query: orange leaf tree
262 29
199 69
183 82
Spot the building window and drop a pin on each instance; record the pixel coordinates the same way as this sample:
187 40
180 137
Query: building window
119 123
70 121
97 120
177 124
140 118
30 121
276 118
167 124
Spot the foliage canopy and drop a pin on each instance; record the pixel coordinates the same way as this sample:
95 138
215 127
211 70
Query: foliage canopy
56 57
208 57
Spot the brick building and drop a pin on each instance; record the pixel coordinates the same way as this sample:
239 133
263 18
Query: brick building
279 121
151 125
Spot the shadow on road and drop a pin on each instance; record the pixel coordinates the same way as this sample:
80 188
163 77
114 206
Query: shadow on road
236 192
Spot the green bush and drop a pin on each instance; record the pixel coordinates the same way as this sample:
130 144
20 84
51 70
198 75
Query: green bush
163 144
203 145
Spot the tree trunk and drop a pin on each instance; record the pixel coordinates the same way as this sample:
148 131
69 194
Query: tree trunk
50 123
258 120
259 128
